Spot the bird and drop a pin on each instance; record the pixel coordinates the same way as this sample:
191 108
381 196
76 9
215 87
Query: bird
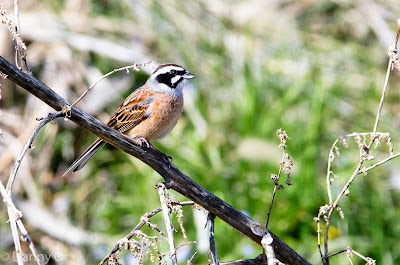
148 113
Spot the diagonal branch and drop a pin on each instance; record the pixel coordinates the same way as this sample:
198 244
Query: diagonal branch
174 178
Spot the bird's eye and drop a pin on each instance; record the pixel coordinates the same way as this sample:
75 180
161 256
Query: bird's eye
173 72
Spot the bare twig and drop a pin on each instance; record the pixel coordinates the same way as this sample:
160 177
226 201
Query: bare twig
20 46
117 247
342 192
25 236
7 199
336 253
272 203
135 67
213 248
143 220
162 192
378 114
190 260
285 164
13 213
27 146
379 163
327 210
17 242
367 259
334 151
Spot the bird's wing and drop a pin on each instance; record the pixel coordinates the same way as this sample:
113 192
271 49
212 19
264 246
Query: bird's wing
132 111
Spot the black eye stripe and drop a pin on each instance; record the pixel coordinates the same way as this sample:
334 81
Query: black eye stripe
164 78
167 79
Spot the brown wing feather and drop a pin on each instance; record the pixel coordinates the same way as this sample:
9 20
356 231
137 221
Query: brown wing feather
132 111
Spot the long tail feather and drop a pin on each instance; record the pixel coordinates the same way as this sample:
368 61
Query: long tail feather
84 158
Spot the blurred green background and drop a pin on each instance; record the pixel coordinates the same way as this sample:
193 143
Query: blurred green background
314 68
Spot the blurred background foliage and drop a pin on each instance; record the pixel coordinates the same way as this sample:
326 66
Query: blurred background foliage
314 68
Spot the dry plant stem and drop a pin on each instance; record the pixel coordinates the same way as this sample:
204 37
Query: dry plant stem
17 243
126 68
10 204
368 260
168 223
184 244
286 164
270 207
336 253
379 163
328 174
174 178
331 152
20 55
117 246
378 115
142 222
27 146
333 206
32 247
13 213
213 248
189 262
358 170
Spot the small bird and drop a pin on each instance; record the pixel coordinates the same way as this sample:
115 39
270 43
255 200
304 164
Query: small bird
149 113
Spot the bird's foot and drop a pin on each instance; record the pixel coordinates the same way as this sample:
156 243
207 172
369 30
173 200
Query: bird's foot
143 141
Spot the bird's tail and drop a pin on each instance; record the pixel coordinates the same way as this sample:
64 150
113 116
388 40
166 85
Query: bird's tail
84 158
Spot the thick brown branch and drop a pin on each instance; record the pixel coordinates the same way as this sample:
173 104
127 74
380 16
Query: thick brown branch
174 178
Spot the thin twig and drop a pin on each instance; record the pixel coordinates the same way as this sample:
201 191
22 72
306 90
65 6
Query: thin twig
336 253
7 199
184 244
190 260
25 236
168 224
285 163
117 246
329 171
27 146
270 207
379 163
17 242
367 259
20 46
13 213
334 205
143 221
378 114
213 248
125 68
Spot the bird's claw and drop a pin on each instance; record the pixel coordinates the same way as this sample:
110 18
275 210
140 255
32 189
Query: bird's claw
141 141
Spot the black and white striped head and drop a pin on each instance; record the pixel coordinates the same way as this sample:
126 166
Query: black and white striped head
169 77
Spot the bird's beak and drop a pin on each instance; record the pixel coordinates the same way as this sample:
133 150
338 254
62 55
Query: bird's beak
188 75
